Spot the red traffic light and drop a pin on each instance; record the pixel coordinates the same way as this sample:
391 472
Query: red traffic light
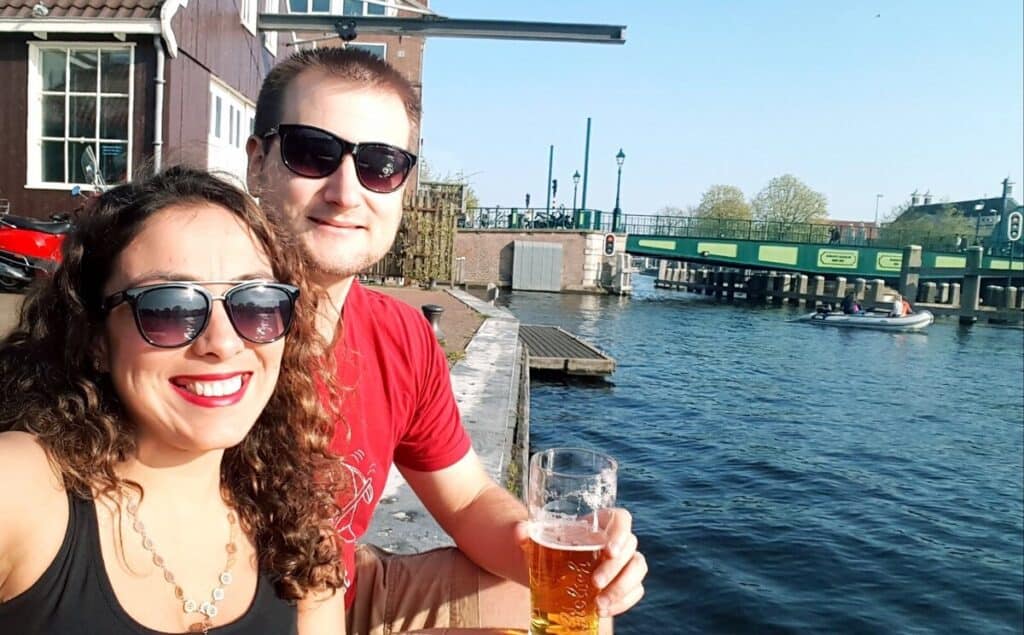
609 244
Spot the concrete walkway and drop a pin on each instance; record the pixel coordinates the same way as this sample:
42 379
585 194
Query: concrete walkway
486 384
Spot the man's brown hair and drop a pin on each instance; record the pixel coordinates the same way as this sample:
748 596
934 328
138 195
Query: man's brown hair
349 64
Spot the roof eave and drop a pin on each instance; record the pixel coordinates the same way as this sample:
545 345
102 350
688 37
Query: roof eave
127 26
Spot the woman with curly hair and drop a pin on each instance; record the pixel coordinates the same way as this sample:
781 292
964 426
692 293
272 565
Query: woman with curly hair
163 444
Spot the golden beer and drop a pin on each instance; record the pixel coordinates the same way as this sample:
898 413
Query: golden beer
563 557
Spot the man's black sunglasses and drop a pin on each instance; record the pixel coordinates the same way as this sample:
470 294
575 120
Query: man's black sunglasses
315 153
173 314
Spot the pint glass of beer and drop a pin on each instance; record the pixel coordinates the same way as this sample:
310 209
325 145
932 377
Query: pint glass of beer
568 493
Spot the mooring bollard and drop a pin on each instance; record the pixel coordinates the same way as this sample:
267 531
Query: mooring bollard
433 314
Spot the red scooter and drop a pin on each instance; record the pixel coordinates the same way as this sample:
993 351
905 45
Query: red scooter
31 247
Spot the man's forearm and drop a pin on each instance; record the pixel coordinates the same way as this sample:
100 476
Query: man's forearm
485 532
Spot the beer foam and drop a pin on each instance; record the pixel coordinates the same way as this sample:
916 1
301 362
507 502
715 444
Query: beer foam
567 536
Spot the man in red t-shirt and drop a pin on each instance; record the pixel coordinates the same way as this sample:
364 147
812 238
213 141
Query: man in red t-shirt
329 154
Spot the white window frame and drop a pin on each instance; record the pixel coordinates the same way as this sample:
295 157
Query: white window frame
309 8
337 6
34 146
247 14
358 44
270 37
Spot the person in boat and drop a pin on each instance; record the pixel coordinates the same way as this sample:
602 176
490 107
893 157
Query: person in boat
849 305
901 307
160 414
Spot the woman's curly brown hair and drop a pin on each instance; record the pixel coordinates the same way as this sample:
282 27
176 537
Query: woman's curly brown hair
282 478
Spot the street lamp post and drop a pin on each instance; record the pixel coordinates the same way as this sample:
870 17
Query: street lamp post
619 159
878 197
575 184
575 213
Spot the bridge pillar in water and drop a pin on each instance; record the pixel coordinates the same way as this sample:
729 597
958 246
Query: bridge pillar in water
840 287
928 292
943 293
972 286
817 291
994 296
719 284
730 285
859 286
954 294
910 271
876 290
800 282
1010 298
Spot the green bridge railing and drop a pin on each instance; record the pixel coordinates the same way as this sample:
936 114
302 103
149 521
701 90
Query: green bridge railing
863 235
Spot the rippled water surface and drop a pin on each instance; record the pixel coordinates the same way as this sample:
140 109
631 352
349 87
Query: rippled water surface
794 478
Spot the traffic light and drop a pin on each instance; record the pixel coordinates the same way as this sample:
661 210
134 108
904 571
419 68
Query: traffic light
1014 226
609 244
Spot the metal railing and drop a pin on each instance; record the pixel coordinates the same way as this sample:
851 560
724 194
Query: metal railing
860 235
536 218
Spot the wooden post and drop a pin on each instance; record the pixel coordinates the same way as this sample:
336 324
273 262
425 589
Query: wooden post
971 287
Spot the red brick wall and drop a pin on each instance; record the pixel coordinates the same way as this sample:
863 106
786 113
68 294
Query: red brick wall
489 255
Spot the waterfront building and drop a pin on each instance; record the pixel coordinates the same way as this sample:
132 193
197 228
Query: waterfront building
144 83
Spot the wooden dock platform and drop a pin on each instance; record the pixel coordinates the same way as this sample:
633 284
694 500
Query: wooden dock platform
555 349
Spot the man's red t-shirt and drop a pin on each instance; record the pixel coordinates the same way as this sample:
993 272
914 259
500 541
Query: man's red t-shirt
397 404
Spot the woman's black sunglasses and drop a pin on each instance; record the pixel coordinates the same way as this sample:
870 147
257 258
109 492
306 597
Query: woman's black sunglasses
173 314
315 153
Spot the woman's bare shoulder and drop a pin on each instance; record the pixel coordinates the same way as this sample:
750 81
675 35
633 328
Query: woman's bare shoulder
27 474
33 512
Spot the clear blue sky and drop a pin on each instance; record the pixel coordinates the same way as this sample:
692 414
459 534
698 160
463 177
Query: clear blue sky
926 96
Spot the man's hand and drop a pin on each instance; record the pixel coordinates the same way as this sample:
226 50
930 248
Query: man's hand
621 573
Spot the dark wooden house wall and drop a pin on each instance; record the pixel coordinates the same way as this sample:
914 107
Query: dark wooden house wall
211 42
41 203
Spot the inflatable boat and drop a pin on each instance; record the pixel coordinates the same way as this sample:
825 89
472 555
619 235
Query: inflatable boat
880 321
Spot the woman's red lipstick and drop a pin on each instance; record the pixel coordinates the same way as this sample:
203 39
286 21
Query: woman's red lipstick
180 383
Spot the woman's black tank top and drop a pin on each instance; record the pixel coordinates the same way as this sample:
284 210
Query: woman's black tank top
74 595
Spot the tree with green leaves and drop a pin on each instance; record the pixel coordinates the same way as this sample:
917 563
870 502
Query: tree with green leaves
724 201
937 230
787 199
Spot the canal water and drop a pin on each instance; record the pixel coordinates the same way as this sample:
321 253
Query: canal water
788 478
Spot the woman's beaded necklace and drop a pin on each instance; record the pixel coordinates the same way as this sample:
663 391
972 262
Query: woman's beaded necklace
207 609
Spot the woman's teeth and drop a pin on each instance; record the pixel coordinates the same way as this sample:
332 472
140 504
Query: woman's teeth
215 388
